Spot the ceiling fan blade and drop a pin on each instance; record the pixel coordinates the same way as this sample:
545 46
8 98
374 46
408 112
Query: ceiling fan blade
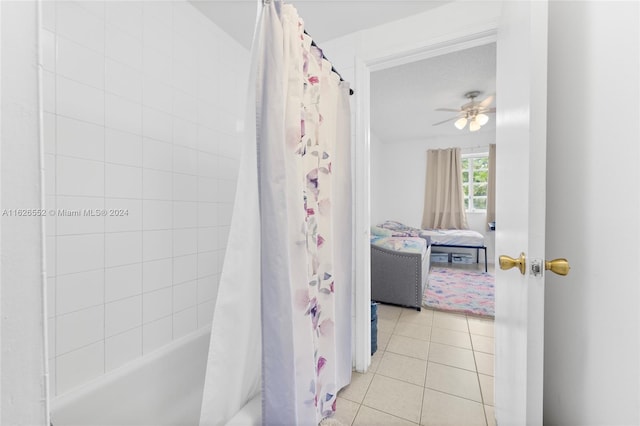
447 109
445 121
487 101
487 110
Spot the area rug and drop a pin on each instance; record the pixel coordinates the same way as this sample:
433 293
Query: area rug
460 290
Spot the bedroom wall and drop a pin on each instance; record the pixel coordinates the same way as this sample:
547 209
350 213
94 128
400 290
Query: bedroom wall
141 101
398 171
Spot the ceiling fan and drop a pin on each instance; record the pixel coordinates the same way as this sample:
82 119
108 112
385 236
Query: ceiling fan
473 112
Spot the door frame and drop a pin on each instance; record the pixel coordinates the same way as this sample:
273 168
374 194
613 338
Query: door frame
364 66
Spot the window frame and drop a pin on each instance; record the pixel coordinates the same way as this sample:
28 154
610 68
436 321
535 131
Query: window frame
470 208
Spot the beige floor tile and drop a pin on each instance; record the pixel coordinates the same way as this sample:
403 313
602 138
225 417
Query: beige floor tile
358 387
483 344
453 356
491 415
386 325
375 360
450 321
454 381
346 411
383 340
370 417
450 337
408 346
486 386
484 363
480 326
404 368
424 317
406 329
395 397
441 409
389 312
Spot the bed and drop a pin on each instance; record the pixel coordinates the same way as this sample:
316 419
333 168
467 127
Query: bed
399 268
446 238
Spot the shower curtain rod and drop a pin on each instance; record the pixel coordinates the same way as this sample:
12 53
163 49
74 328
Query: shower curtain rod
313 43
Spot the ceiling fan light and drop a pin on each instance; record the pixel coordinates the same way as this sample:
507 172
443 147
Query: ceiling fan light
474 125
482 119
460 123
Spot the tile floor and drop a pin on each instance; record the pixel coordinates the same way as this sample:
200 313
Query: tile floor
431 368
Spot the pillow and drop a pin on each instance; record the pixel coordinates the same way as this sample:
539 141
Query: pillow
381 232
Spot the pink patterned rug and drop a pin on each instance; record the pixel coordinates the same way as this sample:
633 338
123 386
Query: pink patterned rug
460 290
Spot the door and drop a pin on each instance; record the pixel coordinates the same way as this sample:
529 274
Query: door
520 208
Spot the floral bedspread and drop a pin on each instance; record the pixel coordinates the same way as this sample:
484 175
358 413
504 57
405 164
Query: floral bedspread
403 244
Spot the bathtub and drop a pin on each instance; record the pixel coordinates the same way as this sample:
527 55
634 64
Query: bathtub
162 388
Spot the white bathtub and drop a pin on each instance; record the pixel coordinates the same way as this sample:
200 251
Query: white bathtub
162 388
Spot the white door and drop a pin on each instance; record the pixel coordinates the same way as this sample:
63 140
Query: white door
520 208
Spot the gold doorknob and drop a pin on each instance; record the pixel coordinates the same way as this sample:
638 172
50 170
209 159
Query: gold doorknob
559 266
507 262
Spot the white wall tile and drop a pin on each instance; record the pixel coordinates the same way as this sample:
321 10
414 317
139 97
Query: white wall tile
208 115
208 238
122 47
205 312
123 80
208 214
157 215
80 366
123 148
185 133
157 155
51 255
157 95
185 106
78 24
79 139
156 334
79 329
185 268
223 236
225 211
157 244
227 192
184 80
208 288
208 165
123 215
158 12
49 15
79 291
74 215
49 101
157 274
208 88
208 189
208 140
185 214
123 348
51 299
185 241
157 185
79 101
49 133
123 315
50 170
185 160
185 322
48 49
77 253
185 187
227 168
123 114
185 296
122 282
123 181
208 264
123 248
80 63
79 177
156 304
157 125
126 16
50 220
157 63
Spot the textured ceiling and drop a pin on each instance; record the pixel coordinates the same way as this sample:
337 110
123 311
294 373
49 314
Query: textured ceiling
324 19
404 98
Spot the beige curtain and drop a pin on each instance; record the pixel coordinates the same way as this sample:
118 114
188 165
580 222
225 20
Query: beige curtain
491 185
444 199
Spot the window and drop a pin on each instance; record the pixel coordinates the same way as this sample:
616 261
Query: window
475 171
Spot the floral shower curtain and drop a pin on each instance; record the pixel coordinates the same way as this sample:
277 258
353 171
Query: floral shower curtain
303 240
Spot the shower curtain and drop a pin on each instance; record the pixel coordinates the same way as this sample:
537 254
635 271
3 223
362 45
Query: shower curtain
285 290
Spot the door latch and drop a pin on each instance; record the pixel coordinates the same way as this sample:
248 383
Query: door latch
537 267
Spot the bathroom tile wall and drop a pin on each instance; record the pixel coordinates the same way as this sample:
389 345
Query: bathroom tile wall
141 105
